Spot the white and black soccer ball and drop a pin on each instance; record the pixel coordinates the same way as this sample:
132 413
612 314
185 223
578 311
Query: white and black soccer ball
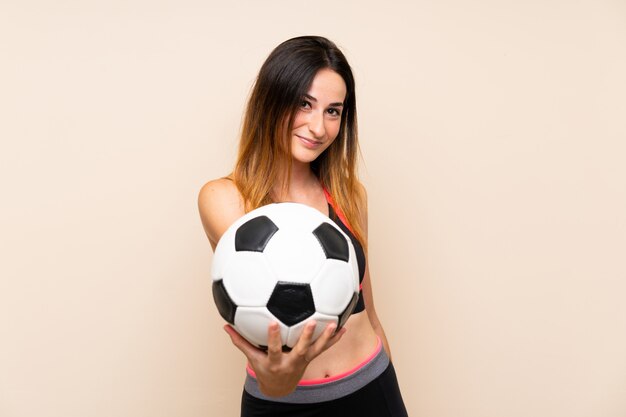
284 262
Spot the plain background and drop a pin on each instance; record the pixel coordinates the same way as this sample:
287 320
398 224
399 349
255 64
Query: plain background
493 135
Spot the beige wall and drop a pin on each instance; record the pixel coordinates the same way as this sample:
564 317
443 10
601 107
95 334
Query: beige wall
494 139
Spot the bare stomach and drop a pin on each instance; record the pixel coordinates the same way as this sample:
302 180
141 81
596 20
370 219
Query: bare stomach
355 346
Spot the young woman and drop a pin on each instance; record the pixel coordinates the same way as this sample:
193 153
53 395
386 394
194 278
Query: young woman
299 143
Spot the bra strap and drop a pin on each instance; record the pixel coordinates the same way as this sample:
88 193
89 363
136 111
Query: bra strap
338 211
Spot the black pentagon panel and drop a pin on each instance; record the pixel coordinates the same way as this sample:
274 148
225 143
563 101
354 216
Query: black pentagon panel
343 317
333 242
291 302
225 305
254 234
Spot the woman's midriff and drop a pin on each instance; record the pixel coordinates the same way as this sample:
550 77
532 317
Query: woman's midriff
354 347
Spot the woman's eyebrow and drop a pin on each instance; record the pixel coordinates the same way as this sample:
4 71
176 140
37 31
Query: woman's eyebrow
338 104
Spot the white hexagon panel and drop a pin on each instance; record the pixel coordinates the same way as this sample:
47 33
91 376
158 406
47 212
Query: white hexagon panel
333 287
249 280
253 323
321 321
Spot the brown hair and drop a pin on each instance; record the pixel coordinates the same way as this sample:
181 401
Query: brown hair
264 147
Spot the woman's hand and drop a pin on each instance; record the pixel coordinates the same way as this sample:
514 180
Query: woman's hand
278 372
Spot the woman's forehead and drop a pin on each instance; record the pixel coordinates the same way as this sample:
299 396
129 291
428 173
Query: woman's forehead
327 87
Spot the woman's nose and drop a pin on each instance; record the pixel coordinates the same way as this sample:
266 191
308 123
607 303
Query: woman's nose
316 124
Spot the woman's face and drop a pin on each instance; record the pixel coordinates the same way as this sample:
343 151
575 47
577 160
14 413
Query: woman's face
318 119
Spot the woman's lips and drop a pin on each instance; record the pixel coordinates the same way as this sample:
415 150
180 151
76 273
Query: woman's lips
309 143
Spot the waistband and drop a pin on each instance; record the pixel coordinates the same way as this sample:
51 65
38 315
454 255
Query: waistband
327 389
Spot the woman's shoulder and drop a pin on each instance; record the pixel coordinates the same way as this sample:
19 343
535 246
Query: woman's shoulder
219 204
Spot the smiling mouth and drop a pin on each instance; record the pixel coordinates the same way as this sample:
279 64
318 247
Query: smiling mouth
309 140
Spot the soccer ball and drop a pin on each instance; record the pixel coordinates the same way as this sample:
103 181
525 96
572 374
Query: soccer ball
284 262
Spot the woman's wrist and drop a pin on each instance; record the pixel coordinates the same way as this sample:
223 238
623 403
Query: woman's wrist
276 388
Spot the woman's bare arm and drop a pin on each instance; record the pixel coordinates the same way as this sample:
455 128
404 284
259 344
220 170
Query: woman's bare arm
368 297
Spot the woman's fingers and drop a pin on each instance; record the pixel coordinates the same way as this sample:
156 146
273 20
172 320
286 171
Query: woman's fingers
304 341
251 352
328 338
335 336
326 335
274 343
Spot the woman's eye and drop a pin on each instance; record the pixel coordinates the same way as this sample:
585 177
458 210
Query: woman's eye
304 103
336 112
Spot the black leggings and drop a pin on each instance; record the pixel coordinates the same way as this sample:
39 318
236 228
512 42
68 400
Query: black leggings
379 398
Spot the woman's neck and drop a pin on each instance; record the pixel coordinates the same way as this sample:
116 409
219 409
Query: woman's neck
302 184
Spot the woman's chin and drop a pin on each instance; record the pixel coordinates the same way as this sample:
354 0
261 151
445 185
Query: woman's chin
304 157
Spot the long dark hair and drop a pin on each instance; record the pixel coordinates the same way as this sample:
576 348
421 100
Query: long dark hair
264 147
